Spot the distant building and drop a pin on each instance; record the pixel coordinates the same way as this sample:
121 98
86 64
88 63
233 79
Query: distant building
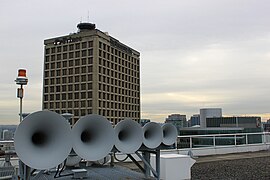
91 72
243 122
209 113
195 120
266 126
7 135
178 120
144 121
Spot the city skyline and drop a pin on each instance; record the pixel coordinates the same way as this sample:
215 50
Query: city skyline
193 54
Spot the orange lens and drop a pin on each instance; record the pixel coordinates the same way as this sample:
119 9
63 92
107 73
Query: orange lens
22 72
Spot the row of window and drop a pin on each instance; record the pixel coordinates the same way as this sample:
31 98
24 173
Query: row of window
68 104
123 106
118 71
118 60
103 98
70 47
104 112
69 71
69 87
70 55
119 90
125 82
116 52
68 96
70 79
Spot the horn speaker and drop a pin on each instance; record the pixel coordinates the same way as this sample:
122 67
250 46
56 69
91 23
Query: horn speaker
129 136
42 140
169 134
152 135
93 137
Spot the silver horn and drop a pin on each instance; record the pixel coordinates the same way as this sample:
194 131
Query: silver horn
42 140
129 136
169 133
152 135
93 137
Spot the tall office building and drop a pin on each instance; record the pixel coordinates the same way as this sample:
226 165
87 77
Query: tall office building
90 72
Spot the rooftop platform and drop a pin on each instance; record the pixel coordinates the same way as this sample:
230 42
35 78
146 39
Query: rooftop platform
248 165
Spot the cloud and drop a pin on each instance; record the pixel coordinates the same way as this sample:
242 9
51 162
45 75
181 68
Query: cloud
193 53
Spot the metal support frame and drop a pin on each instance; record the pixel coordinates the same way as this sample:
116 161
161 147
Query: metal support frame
145 157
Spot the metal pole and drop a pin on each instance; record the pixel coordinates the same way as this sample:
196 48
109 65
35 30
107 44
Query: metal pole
21 97
158 163
146 156
21 165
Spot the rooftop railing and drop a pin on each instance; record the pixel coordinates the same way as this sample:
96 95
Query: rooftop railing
221 140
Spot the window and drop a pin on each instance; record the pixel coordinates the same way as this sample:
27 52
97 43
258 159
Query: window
59 49
64 71
57 97
90 52
57 89
83 95
65 48
47 58
71 47
70 96
89 94
83 61
83 78
90 60
83 53
64 88
52 65
77 78
77 70
90 69
70 71
77 62
77 54
90 44
83 86
58 57
47 51
90 77
84 44
77 87
76 95
64 63
65 56
71 55
52 73
70 62
77 45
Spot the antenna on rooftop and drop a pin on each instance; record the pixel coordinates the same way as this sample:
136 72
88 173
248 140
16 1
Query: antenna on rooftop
88 16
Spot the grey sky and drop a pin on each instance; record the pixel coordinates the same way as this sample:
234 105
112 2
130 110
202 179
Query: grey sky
194 53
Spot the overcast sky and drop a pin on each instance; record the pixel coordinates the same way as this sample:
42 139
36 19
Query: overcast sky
194 53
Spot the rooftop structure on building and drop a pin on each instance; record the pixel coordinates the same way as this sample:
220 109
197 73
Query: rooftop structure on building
194 120
91 72
207 113
178 120
234 121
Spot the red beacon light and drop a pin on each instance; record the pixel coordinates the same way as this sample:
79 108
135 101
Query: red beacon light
21 79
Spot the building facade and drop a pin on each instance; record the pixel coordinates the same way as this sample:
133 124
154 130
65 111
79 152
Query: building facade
243 122
208 113
90 72
178 120
194 120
